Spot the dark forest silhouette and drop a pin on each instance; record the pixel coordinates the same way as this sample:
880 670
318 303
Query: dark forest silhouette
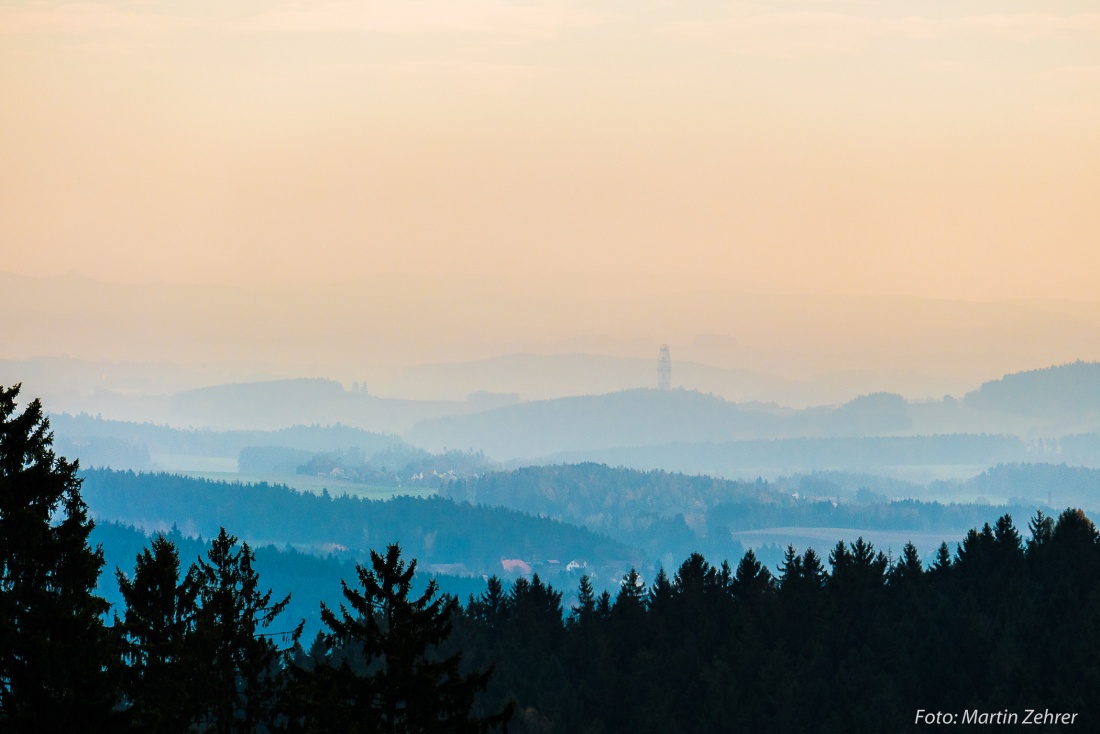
854 642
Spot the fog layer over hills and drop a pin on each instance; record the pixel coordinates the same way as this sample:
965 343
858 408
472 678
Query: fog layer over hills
546 337
1050 415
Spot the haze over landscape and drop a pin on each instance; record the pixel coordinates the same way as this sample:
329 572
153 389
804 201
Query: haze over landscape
334 275
324 190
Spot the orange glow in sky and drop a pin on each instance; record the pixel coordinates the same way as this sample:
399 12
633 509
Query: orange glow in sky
937 149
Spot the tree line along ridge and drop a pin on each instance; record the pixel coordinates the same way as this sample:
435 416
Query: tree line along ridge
856 641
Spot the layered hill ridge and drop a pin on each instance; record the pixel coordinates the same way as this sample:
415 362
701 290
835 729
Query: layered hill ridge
1070 390
1050 403
1051 414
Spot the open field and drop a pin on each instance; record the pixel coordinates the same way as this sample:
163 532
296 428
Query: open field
314 484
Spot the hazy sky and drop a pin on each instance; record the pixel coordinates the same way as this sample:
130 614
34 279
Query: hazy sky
936 148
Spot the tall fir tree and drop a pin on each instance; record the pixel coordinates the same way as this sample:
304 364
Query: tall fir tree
156 636
584 611
406 686
752 580
55 652
943 563
491 607
241 675
907 568
631 601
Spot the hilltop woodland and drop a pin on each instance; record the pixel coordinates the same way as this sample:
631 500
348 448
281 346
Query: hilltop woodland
857 642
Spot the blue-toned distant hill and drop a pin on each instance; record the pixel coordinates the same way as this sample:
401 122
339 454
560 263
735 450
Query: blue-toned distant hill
784 456
625 418
606 499
674 430
1066 485
1068 390
602 428
126 445
280 403
650 417
667 512
105 451
435 530
1039 406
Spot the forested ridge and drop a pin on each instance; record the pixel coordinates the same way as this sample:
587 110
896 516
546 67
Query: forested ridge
624 503
853 642
856 642
434 529
607 518
226 443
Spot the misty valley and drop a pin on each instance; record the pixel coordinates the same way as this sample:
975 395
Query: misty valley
644 560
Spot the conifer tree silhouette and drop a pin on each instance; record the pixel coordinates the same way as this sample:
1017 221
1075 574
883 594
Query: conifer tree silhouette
403 685
156 636
55 652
